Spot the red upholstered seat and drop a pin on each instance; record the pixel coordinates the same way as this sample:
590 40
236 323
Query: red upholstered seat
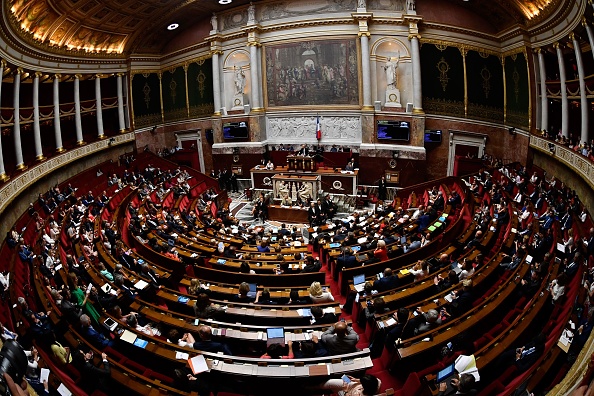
412 386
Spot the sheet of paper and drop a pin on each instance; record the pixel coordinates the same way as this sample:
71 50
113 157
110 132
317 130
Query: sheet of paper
62 390
181 355
44 375
198 364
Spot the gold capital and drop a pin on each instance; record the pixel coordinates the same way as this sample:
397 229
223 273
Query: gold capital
538 50
2 63
19 70
414 36
98 76
78 76
38 74
556 45
366 34
57 76
572 36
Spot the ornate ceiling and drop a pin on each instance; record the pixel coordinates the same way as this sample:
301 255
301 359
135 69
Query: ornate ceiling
140 26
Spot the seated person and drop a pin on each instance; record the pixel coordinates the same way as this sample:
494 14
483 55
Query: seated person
204 309
462 386
425 321
442 283
319 295
388 282
295 299
206 344
368 385
401 329
244 289
185 340
320 317
340 339
462 301
276 351
310 349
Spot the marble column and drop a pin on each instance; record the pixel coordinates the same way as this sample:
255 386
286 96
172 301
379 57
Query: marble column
77 115
3 176
57 126
416 72
544 102
99 106
120 89
216 81
366 70
20 164
583 99
564 101
255 79
590 34
36 128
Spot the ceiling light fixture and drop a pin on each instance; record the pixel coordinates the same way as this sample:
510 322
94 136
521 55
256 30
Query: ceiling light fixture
225 1
173 26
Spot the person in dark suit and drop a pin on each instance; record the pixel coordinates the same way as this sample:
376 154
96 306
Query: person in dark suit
93 377
328 207
388 282
523 358
314 214
311 265
346 260
382 189
96 338
401 330
206 343
439 202
463 299
322 318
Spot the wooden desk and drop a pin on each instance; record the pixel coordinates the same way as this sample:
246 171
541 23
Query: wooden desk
288 214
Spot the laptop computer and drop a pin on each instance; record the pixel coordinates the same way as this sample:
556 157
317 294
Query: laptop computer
355 248
334 245
252 292
275 335
359 281
403 239
456 267
446 373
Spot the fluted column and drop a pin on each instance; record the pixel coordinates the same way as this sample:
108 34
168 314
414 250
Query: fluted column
564 102
216 81
583 99
3 176
57 126
20 164
36 128
366 70
77 115
255 83
544 103
416 69
120 89
98 104
590 34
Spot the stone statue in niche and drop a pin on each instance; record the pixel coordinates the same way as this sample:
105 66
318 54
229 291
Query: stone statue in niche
214 22
391 69
239 82
410 5
251 14
392 91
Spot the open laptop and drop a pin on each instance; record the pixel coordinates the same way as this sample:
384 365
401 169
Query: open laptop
355 248
456 267
275 335
359 281
252 292
446 373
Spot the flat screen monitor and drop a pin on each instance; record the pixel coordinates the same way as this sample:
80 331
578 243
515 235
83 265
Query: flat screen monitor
275 332
445 373
433 136
393 130
235 130
358 279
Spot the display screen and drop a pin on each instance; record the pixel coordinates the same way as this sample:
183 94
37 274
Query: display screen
433 136
235 130
393 130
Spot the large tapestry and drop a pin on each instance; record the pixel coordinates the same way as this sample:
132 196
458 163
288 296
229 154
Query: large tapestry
517 90
321 72
146 99
200 89
173 84
442 71
484 75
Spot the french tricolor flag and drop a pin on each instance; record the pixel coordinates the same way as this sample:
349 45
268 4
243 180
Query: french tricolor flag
318 129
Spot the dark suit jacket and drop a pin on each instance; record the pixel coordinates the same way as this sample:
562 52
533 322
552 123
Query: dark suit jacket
386 283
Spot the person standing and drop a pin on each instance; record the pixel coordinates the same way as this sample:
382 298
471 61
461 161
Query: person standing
382 189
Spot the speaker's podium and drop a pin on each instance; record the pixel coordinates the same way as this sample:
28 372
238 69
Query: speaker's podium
303 163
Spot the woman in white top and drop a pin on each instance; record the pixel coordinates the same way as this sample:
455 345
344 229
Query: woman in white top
558 287
420 270
187 340
467 270
318 295
569 241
